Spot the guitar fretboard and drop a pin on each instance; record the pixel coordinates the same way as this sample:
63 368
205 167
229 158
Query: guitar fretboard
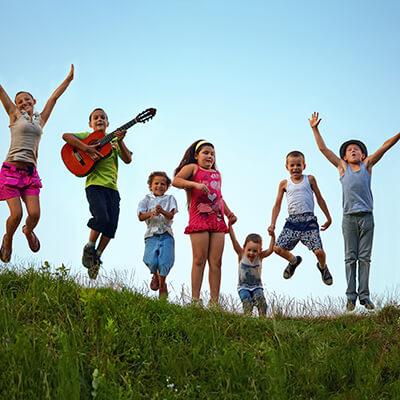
107 139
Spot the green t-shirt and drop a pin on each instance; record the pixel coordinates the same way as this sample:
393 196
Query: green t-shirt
105 173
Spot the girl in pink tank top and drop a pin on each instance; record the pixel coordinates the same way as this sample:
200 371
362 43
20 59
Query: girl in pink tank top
197 175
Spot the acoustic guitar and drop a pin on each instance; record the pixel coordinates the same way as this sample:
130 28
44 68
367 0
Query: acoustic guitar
80 163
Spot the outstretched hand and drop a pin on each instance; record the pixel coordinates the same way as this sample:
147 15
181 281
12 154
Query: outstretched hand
315 120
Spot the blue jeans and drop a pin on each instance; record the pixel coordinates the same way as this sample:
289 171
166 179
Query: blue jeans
159 253
358 232
251 298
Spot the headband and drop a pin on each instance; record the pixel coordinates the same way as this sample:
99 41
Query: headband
200 144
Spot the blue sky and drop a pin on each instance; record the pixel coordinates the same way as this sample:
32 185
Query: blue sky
244 76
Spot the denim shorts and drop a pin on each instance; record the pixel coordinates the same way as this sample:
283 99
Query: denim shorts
159 253
18 182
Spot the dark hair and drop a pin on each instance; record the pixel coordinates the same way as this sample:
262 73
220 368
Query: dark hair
296 153
96 109
22 91
253 237
188 157
158 173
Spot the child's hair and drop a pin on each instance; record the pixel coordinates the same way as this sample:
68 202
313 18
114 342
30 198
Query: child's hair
96 109
22 91
253 237
295 153
193 149
158 173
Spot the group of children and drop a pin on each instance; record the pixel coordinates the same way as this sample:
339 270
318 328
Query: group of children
198 175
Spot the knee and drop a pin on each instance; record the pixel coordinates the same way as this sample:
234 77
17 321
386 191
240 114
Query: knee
278 250
215 263
199 261
15 217
319 253
34 215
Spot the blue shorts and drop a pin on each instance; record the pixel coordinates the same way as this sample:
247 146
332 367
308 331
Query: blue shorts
300 228
251 298
159 253
104 207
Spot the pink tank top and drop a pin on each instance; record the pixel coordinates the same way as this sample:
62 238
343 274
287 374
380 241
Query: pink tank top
206 211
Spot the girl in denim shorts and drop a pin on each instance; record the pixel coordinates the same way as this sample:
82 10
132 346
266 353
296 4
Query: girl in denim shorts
18 176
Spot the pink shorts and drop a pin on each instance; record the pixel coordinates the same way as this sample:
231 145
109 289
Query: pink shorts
17 182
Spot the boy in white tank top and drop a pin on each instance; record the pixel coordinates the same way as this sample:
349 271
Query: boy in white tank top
301 225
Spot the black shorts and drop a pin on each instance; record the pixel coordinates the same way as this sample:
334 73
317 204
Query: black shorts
104 207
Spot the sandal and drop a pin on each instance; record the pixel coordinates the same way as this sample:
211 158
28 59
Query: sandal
33 241
5 255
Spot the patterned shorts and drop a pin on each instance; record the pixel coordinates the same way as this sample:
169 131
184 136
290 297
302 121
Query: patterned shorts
300 228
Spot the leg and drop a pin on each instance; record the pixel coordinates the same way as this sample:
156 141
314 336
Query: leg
104 240
93 236
366 224
321 257
166 261
33 208
247 301
15 206
217 241
200 242
150 257
286 254
287 241
260 302
351 241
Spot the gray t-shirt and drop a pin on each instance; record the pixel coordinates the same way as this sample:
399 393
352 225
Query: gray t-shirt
25 138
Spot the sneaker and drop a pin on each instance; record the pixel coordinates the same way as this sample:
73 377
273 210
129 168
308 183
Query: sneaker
289 270
368 304
154 284
93 270
89 256
351 305
325 274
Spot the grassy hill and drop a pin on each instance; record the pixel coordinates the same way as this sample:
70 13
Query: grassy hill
60 340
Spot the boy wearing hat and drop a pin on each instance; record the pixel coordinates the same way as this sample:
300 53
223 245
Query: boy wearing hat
355 168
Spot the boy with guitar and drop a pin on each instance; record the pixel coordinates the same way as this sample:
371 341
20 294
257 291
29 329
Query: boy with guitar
101 186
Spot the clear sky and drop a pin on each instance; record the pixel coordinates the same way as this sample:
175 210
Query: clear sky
245 76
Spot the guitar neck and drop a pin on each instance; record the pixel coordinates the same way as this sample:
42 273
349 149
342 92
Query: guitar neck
107 139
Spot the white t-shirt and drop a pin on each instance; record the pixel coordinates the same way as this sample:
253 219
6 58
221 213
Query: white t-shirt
158 224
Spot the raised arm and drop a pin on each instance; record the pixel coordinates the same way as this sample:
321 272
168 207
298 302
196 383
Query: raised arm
8 104
371 160
321 202
329 154
270 250
236 245
277 207
48 108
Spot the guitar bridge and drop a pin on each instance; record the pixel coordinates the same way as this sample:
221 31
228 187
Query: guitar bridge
78 157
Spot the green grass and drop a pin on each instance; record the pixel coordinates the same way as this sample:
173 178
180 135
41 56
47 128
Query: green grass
61 340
